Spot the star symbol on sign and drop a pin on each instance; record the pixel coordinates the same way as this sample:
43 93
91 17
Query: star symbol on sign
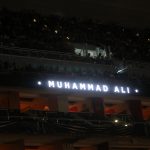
39 82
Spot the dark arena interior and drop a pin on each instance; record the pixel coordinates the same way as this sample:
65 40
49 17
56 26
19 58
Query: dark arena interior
74 75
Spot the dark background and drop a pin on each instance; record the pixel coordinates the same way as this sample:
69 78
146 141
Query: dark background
129 12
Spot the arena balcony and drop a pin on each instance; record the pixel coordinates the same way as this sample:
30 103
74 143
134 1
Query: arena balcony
15 60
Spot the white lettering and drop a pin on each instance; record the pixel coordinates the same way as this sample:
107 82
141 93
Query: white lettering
82 86
105 88
98 88
74 86
67 85
86 86
116 90
59 85
128 90
122 90
90 87
51 84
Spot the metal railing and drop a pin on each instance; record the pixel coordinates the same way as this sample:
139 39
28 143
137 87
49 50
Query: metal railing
47 122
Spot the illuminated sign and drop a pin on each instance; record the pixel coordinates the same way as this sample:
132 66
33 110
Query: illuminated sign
82 86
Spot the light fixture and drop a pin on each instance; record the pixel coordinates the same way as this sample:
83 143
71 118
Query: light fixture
116 120
34 20
126 125
67 38
121 70
56 31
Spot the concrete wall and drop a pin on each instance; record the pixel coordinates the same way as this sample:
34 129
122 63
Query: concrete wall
45 102
62 103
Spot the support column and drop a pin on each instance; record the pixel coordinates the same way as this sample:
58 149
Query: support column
53 103
98 106
9 100
135 109
13 100
90 105
62 103
4 101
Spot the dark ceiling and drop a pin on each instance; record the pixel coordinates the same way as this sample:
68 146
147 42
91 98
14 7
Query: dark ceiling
129 12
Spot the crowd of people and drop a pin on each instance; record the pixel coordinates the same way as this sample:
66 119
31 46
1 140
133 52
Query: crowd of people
28 29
